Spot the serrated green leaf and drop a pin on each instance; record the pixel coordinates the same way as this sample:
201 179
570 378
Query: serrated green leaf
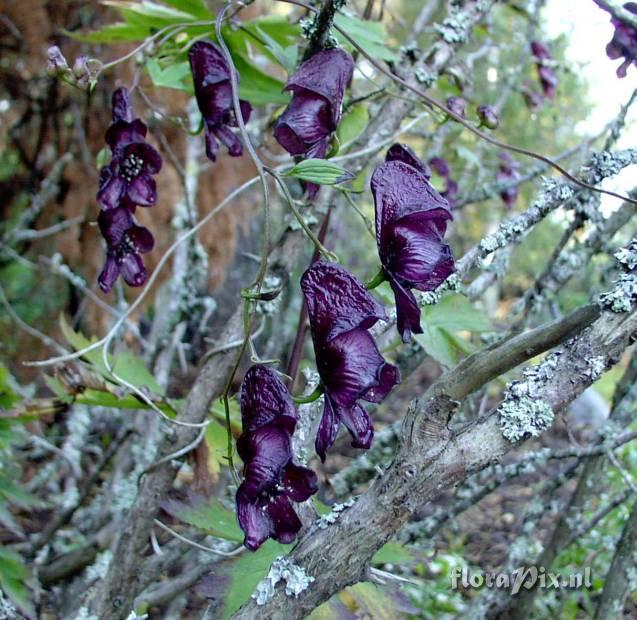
370 35
319 171
209 515
245 573
352 123
173 76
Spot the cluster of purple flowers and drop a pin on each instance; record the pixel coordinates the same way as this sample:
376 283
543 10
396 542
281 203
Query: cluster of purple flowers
125 183
271 478
624 41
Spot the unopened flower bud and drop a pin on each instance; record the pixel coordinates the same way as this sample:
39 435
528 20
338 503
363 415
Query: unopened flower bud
56 63
457 105
488 116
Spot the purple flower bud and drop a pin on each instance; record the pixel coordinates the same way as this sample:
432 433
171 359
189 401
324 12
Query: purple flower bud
341 311
488 116
411 220
624 42
457 105
548 79
313 114
532 99
211 76
508 173
125 241
271 479
56 63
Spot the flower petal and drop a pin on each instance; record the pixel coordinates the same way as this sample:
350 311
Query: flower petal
111 188
230 140
132 269
254 520
122 107
212 146
299 482
114 224
109 274
305 121
285 521
327 74
264 398
359 425
141 239
265 453
349 365
388 377
122 133
407 310
327 430
142 191
401 152
337 301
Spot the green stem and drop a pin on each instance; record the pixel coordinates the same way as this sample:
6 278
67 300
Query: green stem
310 398
377 280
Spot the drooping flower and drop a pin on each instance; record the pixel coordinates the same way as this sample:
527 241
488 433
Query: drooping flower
313 114
532 99
488 116
411 220
211 75
440 166
457 105
508 172
125 242
271 479
127 180
351 368
624 42
546 75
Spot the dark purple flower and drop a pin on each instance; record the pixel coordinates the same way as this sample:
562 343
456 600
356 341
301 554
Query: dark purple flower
508 173
341 311
488 116
271 479
411 220
313 114
125 241
532 99
127 179
624 42
457 105
543 58
211 75
440 166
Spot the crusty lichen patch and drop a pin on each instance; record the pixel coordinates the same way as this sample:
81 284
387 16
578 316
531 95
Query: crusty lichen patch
524 417
295 578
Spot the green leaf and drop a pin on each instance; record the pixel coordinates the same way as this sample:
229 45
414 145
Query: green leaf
151 10
320 171
392 553
196 8
8 396
13 575
172 76
245 573
442 323
257 87
352 123
374 602
371 36
209 515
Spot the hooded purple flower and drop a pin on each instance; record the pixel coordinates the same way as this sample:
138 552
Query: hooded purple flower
411 220
213 90
127 179
508 173
543 58
341 311
125 241
624 42
271 479
314 112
